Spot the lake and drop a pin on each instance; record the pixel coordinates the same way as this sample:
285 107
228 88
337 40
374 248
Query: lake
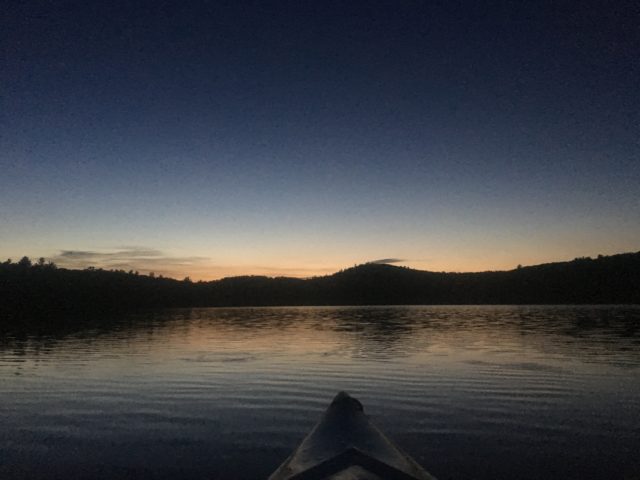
482 392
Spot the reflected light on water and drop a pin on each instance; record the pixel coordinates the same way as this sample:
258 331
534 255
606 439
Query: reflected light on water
470 392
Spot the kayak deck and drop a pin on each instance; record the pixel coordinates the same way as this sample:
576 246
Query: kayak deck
345 445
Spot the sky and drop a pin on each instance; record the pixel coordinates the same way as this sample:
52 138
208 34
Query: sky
210 139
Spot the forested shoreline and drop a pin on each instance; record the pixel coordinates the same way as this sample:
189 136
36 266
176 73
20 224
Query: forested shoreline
28 287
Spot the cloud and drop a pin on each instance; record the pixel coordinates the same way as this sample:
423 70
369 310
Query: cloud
75 255
129 258
387 260
124 252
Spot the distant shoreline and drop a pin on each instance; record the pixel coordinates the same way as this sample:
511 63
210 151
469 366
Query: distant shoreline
41 287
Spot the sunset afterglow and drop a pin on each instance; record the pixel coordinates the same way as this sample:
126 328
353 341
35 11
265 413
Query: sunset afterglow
306 140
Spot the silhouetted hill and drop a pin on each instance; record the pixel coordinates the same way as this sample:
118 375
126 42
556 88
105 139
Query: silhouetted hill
43 288
611 279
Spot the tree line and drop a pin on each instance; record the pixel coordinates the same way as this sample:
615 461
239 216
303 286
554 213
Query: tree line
41 287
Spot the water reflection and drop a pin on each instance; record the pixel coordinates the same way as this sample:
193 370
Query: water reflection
596 330
471 392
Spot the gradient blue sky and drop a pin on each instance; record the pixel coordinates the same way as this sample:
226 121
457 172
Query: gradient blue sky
296 138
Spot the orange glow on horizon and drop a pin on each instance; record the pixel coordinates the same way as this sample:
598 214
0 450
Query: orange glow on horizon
206 272
204 265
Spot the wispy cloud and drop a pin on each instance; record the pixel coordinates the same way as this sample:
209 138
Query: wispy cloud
145 260
388 260
129 258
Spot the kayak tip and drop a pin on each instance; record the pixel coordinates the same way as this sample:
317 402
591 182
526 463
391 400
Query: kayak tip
345 401
345 445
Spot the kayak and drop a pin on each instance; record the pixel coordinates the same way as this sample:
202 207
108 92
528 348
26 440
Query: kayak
345 445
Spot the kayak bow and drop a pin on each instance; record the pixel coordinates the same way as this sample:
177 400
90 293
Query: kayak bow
344 445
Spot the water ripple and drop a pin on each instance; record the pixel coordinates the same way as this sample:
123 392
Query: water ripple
531 391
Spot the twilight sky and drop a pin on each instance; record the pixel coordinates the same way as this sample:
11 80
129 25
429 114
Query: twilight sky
300 137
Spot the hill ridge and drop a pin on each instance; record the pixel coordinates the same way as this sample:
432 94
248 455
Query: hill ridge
44 288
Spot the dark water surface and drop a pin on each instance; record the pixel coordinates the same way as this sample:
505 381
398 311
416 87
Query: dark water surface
469 392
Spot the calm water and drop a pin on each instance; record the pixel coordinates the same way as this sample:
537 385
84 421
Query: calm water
469 392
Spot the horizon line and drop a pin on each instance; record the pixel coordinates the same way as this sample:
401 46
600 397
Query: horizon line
152 274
